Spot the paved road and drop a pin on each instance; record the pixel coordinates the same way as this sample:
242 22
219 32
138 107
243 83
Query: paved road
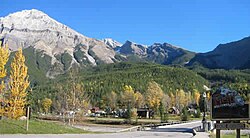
101 128
173 131
138 134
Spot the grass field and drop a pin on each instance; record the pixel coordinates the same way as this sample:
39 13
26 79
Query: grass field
230 136
36 127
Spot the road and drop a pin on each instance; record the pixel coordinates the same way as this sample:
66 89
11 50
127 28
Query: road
173 131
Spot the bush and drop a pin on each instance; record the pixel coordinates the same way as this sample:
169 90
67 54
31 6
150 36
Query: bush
184 114
134 113
197 114
128 114
165 117
163 113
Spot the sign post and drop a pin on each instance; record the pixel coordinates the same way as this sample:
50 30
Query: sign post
229 107
28 116
217 130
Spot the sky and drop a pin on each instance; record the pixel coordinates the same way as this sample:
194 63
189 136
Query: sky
195 25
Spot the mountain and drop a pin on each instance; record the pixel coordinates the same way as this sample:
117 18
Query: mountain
131 48
168 54
112 43
234 55
157 53
52 48
60 45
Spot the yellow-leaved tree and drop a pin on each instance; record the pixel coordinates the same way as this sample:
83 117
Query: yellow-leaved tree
197 96
172 99
139 100
153 95
18 85
46 104
180 98
112 100
128 96
4 56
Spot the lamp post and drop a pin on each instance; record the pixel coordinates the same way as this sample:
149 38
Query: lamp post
204 121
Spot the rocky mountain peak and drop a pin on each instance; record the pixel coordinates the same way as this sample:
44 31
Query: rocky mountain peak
34 20
130 47
62 45
112 43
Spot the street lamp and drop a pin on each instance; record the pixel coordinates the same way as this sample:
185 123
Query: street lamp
204 122
204 106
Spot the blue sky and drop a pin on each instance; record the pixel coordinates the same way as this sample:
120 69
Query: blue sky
196 25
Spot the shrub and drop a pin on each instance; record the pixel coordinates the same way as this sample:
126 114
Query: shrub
184 114
197 114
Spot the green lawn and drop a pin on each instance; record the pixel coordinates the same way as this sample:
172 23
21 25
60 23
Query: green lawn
230 136
35 127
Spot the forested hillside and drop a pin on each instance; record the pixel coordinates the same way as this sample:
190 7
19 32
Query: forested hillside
112 77
98 83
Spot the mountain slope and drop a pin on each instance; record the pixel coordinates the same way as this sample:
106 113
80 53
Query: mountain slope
33 28
38 33
157 53
168 54
234 55
112 77
131 48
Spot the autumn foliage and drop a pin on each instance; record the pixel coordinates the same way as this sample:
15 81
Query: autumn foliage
46 104
4 54
154 95
18 85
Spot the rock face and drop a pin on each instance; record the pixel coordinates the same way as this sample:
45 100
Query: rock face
164 53
234 55
33 28
130 48
158 53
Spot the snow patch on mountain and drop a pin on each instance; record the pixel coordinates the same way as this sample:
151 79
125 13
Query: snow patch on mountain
112 43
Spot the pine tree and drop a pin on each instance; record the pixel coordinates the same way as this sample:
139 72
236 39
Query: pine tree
4 54
162 111
184 114
18 85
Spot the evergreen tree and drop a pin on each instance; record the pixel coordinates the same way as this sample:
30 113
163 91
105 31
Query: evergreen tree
184 114
161 110
163 113
129 113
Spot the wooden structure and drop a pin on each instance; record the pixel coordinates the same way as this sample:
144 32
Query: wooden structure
229 110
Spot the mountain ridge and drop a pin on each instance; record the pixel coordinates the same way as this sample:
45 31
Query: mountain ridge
233 55
66 48
33 28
